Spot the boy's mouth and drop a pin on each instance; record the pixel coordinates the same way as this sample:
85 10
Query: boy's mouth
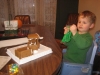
80 27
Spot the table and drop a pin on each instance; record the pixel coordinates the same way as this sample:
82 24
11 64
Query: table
46 65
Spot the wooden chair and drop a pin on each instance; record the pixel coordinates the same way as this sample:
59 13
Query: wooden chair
24 18
72 19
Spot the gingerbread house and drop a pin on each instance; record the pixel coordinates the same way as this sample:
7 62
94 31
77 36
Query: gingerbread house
33 44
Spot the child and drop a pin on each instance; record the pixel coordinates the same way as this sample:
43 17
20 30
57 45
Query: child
78 40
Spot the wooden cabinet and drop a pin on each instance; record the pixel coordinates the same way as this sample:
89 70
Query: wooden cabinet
64 7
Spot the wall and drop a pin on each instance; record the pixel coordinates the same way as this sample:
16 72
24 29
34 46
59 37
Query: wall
92 5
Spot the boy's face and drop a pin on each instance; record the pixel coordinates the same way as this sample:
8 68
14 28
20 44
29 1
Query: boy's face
84 24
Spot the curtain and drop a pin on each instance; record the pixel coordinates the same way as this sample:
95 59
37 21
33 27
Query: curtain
42 12
46 13
3 13
25 7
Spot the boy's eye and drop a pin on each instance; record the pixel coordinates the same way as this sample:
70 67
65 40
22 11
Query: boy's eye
79 21
84 22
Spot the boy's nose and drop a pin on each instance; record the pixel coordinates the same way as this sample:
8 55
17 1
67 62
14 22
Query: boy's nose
80 24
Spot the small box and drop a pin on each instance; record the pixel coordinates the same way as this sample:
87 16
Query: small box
11 27
23 52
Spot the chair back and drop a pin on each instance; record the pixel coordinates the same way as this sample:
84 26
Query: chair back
24 18
91 53
80 69
72 19
97 39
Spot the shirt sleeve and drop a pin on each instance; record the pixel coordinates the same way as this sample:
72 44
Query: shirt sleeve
82 41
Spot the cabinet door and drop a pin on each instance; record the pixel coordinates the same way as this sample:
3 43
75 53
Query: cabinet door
64 7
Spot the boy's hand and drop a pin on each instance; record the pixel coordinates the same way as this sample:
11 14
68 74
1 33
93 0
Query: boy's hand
66 29
73 29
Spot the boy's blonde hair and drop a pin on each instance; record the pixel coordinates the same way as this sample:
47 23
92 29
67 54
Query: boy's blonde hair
90 15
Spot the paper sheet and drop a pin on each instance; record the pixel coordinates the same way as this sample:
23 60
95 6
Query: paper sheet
4 60
17 41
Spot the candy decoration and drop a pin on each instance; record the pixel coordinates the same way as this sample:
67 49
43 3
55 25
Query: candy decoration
13 69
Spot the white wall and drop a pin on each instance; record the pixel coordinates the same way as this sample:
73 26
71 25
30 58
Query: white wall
94 6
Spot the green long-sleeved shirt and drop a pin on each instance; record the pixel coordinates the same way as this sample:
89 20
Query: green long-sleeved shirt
77 47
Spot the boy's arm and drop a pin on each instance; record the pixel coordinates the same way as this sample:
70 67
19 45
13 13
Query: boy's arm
83 42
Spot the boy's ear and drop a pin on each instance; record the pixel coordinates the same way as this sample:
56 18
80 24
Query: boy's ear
92 25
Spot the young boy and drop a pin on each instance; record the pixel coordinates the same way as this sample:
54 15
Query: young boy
80 39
